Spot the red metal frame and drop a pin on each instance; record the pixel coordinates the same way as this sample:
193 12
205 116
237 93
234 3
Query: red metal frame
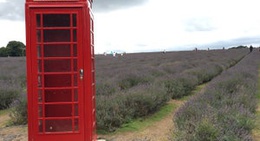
60 70
58 1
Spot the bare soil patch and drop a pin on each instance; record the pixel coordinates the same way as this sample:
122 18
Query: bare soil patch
12 133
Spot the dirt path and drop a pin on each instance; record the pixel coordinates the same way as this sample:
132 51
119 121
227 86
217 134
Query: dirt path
13 133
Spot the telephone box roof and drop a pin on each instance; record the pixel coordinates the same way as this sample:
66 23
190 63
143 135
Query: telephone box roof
91 1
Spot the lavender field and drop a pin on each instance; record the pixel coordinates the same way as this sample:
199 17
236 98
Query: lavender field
137 85
226 109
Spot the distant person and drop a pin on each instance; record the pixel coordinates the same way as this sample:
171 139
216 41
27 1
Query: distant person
251 48
114 54
164 51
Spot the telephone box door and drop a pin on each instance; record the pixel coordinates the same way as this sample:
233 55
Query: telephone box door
56 39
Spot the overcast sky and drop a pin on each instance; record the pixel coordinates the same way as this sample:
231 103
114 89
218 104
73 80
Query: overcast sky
156 25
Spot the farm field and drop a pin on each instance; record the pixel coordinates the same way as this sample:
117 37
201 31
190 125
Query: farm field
136 86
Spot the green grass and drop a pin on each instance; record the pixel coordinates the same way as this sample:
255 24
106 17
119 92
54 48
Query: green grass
256 131
195 91
142 123
3 112
4 123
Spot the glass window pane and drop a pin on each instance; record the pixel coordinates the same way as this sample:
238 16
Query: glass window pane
56 20
76 95
76 110
74 16
57 65
39 95
75 80
57 50
40 126
61 110
58 125
39 81
76 125
91 24
40 111
58 80
39 35
75 52
93 77
57 35
92 39
39 65
38 20
93 64
74 35
75 63
39 51
63 95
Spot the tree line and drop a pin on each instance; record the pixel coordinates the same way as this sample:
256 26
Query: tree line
14 49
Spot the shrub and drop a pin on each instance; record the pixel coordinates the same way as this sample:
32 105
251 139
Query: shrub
105 89
130 80
206 131
180 86
146 99
7 96
138 102
110 115
19 111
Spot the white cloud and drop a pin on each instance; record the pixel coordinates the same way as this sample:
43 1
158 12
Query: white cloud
149 25
12 9
174 24
111 5
11 30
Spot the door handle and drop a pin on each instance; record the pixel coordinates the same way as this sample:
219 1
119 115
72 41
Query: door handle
81 74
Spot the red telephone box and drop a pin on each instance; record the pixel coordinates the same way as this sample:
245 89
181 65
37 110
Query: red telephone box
60 70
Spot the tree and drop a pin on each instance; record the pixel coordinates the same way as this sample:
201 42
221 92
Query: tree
3 52
15 48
